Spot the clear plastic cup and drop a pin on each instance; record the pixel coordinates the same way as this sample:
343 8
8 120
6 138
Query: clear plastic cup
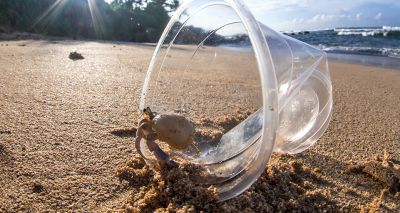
214 60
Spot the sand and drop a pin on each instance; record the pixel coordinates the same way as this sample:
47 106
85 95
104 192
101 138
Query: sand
66 139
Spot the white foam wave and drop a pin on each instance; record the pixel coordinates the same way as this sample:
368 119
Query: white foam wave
296 32
388 28
384 31
391 52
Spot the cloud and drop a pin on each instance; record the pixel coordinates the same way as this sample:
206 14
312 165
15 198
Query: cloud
378 16
312 5
328 18
270 5
317 14
358 16
297 20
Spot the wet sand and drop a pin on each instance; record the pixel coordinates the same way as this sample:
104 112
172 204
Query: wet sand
62 147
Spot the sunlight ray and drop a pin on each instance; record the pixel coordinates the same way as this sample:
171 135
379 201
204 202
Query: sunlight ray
97 19
49 14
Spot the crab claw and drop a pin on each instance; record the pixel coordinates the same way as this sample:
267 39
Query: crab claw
137 146
138 138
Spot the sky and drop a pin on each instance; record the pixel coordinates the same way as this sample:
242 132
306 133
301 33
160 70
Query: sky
286 15
292 15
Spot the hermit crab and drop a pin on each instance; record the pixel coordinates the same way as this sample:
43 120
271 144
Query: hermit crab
173 129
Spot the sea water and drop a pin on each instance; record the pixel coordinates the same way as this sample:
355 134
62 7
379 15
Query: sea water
381 41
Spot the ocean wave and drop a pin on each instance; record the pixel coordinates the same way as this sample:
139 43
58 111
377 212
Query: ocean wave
385 31
391 52
304 32
388 28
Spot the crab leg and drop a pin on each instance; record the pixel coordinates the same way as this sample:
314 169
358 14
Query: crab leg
159 153
138 138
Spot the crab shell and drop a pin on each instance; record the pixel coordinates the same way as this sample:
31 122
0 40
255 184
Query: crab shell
174 129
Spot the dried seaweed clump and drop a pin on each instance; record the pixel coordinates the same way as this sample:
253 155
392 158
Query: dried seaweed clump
75 56
167 189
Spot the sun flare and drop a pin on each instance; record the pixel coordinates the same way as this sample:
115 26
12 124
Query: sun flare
49 16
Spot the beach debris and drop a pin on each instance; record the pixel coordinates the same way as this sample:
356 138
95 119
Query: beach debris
75 56
173 129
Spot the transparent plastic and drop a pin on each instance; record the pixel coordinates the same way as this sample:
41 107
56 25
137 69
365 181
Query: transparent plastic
213 62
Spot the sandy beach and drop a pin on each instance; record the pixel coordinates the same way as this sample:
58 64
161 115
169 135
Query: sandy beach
60 148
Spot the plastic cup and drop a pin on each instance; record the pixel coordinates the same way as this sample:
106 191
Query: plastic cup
214 58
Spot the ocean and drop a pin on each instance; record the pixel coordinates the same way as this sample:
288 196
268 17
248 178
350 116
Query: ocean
377 41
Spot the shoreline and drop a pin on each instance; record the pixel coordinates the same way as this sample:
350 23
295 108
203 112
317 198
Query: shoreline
382 61
364 59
